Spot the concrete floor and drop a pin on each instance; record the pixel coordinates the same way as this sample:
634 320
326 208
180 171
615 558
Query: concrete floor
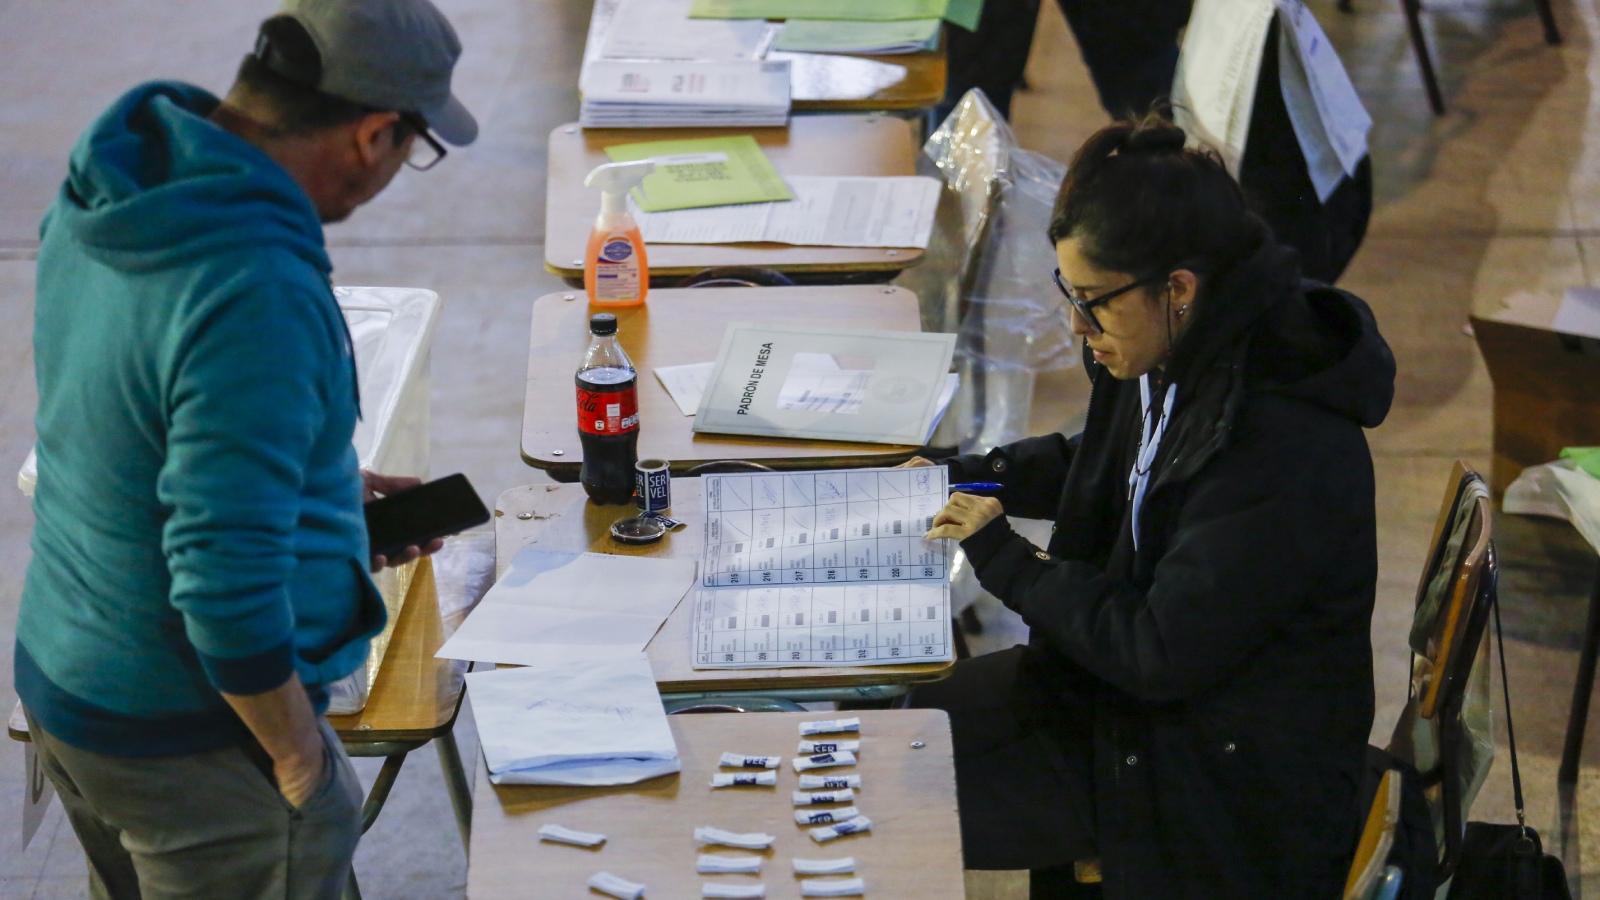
1500 195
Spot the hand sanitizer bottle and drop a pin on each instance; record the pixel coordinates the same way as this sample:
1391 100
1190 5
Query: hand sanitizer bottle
615 269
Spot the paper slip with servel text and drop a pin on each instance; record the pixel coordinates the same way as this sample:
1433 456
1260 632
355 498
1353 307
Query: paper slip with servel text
823 568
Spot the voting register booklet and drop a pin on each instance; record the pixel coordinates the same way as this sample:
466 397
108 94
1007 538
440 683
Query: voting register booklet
834 384
825 568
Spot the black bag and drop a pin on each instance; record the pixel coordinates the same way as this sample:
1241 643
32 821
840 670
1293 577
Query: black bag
1507 862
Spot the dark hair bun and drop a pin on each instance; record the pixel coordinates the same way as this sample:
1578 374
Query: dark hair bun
1154 137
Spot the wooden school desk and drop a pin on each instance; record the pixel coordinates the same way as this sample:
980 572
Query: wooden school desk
560 517
675 327
912 851
811 145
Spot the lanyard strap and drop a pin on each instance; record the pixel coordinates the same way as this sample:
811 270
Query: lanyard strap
1505 687
1149 444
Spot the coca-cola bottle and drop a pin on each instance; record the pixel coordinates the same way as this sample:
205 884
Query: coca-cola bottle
608 414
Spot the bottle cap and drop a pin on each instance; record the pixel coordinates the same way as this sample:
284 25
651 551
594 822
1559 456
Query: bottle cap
603 324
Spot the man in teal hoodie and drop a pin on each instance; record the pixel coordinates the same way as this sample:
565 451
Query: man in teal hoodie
199 571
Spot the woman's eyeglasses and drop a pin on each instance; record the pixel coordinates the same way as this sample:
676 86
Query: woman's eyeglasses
1085 307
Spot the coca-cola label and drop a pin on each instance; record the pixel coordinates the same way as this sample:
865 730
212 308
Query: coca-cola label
612 412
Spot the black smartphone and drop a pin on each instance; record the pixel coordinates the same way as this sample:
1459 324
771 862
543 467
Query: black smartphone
413 518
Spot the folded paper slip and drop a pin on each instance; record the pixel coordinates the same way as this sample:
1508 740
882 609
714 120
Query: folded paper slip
832 887
825 866
707 864
826 726
567 836
824 760
815 798
733 890
576 721
831 782
767 778
607 883
752 841
829 832
826 211
702 172
825 816
847 36
811 748
741 761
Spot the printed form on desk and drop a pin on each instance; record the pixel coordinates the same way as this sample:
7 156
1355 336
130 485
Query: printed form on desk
824 568
889 211
550 604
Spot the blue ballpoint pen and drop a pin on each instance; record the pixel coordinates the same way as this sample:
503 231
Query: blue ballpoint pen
978 487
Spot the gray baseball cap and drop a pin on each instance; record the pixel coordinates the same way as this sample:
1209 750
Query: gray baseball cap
388 54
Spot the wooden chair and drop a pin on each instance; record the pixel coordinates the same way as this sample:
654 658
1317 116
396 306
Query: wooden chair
1443 731
1419 45
1369 873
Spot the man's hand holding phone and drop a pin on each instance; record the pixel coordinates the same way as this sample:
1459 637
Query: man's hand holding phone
413 527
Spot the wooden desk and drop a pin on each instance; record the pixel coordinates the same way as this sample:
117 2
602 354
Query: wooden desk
560 517
913 849
686 326
811 145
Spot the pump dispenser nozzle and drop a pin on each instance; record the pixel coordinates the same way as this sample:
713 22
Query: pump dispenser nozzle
615 180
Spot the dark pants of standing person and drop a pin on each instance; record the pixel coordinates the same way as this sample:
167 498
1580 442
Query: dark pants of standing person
1130 47
1023 752
206 825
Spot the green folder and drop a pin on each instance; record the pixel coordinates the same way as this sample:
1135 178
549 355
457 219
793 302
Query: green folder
961 12
855 36
703 172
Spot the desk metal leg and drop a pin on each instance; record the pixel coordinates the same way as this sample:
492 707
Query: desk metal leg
455 781
1578 717
373 806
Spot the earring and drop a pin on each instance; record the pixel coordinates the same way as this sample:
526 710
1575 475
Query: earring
1183 310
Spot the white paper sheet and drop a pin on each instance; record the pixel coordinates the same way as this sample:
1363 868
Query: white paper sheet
577 721
825 76
550 605
1579 312
1218 66
1328 118
826 211
686 384
662 29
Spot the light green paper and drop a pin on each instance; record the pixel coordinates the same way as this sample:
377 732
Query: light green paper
746 177
1587 458
961 12
847 36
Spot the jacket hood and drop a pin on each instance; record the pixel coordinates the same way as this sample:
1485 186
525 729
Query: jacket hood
153 183
1294 337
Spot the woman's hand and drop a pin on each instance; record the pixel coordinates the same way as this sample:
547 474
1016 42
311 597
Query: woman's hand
964 515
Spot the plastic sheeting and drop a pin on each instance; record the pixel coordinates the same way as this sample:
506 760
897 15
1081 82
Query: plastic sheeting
986 276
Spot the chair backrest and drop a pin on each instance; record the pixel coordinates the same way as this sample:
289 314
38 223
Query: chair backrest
1377 838
1444 731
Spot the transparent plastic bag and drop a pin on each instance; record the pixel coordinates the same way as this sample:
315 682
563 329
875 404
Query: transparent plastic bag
986 276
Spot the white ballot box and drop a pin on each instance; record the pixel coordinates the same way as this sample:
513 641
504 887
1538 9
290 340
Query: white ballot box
392 329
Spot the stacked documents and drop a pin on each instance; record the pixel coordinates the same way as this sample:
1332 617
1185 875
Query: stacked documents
847 36
584 720
677 93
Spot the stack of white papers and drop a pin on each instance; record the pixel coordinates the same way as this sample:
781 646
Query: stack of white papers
576 721
674 93
551 604
889 211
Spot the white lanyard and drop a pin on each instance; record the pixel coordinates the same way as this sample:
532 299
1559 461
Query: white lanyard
1149 443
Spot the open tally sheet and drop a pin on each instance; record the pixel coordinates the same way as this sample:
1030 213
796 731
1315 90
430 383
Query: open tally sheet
823 569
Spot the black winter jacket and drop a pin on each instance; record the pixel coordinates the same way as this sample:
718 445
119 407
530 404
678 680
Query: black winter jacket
1229 658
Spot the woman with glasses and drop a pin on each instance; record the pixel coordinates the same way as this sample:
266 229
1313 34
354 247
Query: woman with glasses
1190 716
